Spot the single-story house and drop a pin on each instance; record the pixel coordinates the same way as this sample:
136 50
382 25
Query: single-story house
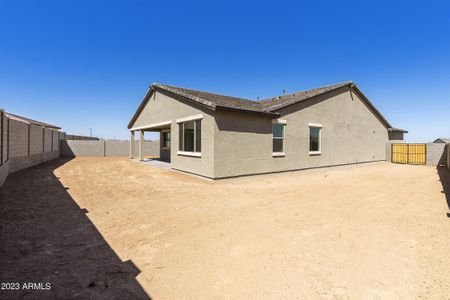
442 140
218 136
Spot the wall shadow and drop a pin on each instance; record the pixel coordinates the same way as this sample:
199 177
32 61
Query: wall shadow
444 178
47 238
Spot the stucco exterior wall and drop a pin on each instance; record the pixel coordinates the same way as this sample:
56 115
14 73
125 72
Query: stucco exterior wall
163 108
396 136
351 133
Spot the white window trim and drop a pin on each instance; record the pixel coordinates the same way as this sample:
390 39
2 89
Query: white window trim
187 153
283 122
151 125
278 154
316 125
279 121
190 118
166 130
315 153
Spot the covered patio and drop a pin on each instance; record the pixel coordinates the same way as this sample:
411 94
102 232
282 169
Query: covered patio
163 129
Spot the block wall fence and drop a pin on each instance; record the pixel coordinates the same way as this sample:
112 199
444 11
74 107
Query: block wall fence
438 154
23 145
448 156
80 148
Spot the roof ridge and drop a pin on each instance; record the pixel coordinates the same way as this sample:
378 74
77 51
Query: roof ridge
343 83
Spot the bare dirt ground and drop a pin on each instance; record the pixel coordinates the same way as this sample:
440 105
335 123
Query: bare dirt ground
111 228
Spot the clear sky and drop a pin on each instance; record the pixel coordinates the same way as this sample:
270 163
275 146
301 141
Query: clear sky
88 64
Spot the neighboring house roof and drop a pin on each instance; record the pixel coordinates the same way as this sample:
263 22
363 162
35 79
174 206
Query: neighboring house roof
268 107
442 140
30 121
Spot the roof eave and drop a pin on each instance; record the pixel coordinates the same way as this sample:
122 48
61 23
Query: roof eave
397 130
264 113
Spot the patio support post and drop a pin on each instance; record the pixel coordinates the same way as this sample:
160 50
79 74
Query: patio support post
131 143
141 145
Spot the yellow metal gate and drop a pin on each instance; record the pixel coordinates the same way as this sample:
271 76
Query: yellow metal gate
415 154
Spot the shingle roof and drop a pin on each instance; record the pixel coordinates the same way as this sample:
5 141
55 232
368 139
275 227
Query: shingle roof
30 121
445 140
268 107
275 103
263 106
213 100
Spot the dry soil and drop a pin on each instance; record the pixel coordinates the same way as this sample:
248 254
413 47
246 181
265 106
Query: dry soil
112 228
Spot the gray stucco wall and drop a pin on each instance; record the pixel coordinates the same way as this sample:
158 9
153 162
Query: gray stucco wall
163 108
396 136
351 133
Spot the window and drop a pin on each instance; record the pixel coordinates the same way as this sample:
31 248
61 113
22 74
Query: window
315 139
166 139
278 138
190 136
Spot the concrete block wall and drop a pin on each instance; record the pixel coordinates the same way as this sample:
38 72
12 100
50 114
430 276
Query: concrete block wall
80 148
36 140
4 135
55 140
389 151
18 139
448 156
47 140
23 145
150 148
437 154
80 137
76 148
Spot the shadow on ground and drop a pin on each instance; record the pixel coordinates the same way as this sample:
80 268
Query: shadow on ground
47 237
444 177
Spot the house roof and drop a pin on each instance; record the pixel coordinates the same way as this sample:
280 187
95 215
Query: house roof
275 103
212 100
443 140
30 121
267 107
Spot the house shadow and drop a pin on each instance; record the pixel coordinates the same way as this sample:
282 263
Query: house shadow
444 178
47 240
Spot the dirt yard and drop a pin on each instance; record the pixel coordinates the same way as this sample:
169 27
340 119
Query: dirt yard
111 228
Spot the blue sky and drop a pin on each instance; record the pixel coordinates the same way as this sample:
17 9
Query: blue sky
87 64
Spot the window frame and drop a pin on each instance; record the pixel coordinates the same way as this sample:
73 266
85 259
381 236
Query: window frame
283 138
181 123
315 125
